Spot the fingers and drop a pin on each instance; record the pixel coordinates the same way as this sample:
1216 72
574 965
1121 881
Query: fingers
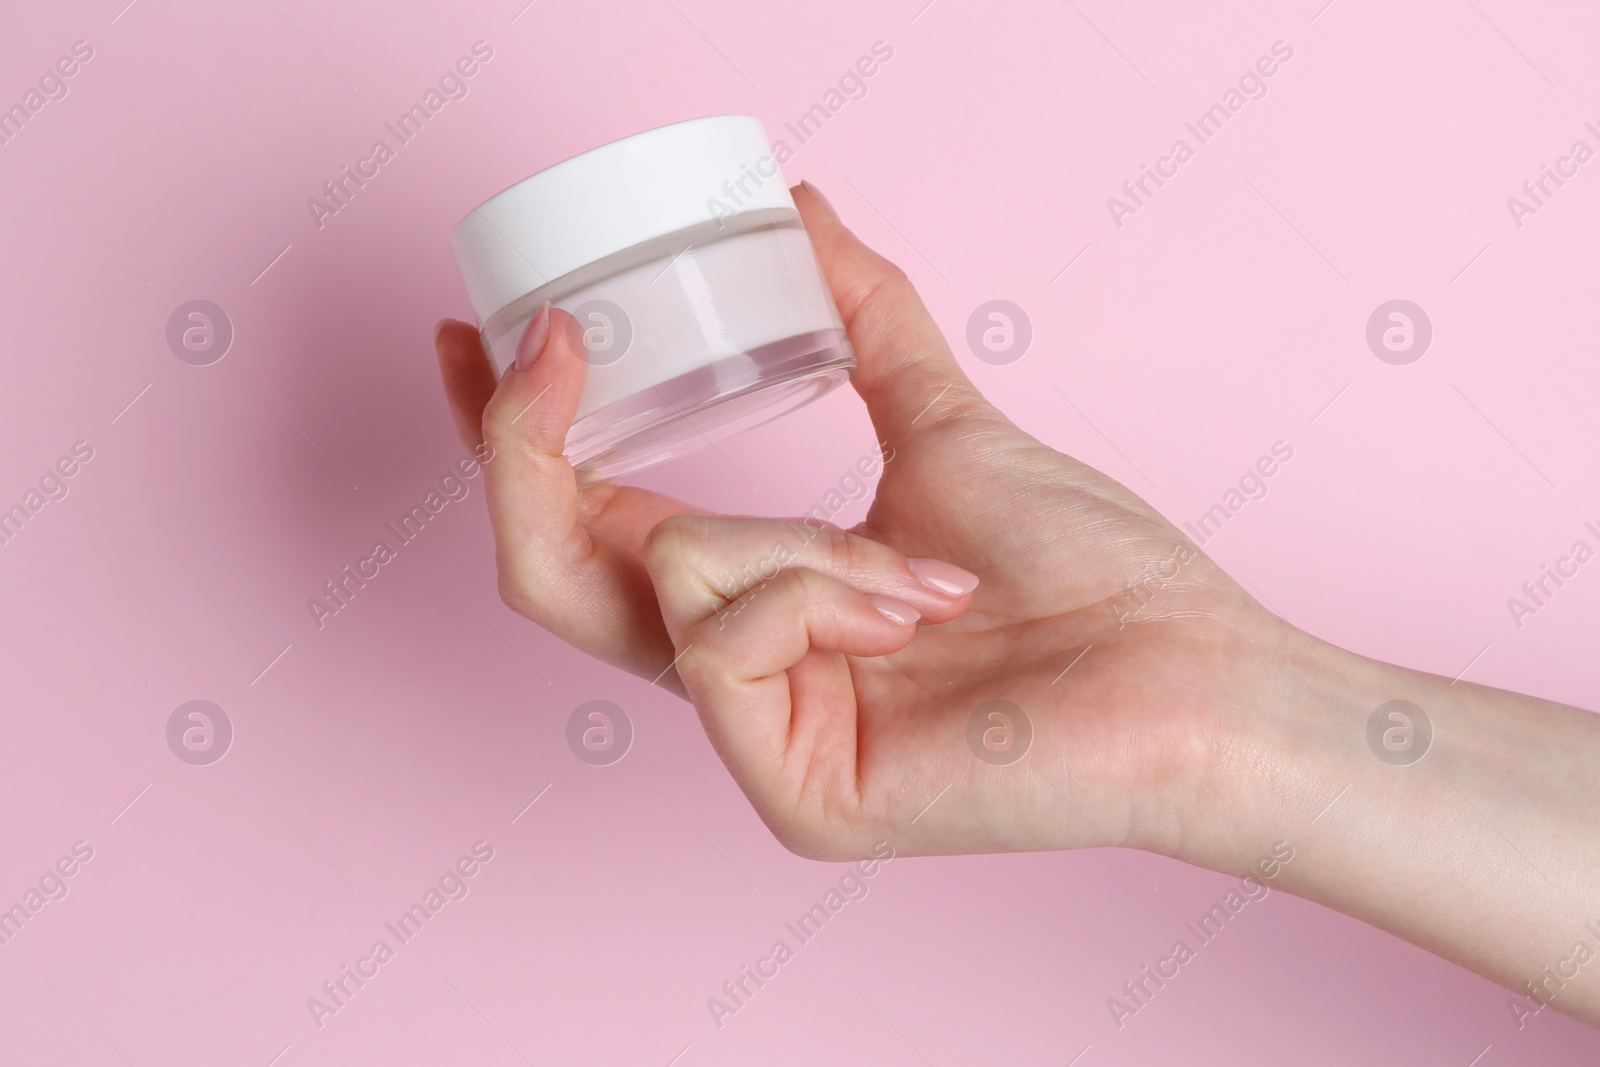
468 379
569 559
906 373
736 670
701 566
762 614
532 407
533 493
536 504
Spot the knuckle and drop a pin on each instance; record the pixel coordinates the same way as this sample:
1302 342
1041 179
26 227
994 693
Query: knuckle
813 843
878 297
514 593
805 845
802 584
498 429
851 553
525 581
667 541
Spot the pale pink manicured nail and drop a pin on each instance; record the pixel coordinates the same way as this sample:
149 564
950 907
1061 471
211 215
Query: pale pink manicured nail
893 610
534 337
943 577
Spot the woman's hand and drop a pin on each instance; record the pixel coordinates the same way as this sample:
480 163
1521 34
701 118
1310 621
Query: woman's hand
841 691
1014 652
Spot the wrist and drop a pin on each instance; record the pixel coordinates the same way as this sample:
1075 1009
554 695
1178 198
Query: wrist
1284 746
1447 820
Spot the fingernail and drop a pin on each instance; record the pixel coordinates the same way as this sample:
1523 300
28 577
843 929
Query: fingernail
943 577
893 610
438 329
817 195
534 337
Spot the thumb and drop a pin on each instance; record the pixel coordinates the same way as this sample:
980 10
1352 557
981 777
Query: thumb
905 370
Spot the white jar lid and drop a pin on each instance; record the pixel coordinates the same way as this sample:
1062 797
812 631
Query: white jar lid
611 198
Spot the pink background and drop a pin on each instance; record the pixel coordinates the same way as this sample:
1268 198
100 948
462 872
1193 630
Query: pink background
1222 317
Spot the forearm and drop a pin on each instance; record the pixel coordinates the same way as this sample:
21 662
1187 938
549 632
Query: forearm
1485 850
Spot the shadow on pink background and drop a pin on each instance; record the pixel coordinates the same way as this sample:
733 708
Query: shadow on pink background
1228 312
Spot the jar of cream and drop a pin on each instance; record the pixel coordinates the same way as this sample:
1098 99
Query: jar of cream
681 257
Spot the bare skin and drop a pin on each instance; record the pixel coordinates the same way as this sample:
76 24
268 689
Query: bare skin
1189 720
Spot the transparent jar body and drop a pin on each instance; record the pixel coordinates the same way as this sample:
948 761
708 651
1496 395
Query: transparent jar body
690 338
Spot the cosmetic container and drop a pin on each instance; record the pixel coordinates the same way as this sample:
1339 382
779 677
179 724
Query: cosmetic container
699 303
